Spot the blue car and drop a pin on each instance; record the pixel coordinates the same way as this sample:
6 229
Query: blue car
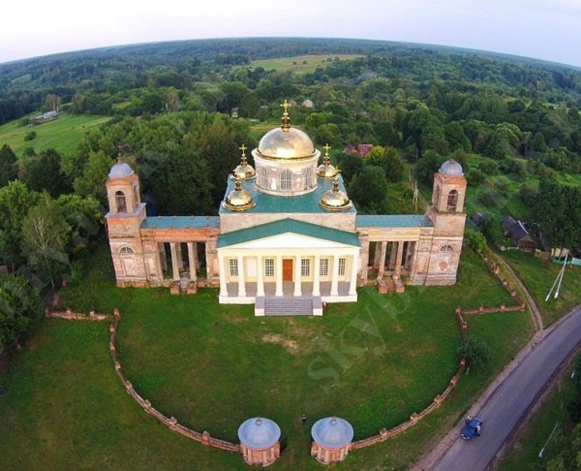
472 428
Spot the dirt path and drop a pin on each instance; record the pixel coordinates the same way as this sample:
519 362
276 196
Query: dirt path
533 308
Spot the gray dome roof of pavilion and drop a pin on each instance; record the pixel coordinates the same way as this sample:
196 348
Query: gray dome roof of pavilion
332 432
451 167
259 433
120 170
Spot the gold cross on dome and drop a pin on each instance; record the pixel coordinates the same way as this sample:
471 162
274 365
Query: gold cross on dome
326 147
243 149
285 105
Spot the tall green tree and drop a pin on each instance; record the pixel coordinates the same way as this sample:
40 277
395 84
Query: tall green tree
8 168
369 189
20 309
44 238
42 172
94 176
15 202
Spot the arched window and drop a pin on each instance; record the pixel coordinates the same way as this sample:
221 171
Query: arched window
446 248
308 178
120 202
262 177
286 180
452 200
126 250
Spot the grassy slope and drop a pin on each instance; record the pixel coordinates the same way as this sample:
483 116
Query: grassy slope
211 367
312 62
62 134
539 276
523 454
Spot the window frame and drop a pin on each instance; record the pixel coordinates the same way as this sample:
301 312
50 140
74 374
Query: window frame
305 267
324 267
233 268
268 264
342 266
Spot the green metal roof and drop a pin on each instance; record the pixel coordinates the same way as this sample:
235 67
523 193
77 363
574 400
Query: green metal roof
308 203
181 222
283 226
392 220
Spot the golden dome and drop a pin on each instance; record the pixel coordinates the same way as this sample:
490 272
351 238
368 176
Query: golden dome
286 142
326 170
335 199
244 170
238 199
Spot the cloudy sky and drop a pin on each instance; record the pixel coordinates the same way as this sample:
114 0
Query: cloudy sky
545 29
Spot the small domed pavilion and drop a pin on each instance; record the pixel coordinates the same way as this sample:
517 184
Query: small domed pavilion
259 441
332 438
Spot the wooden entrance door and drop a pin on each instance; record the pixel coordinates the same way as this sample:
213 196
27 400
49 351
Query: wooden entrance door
287 269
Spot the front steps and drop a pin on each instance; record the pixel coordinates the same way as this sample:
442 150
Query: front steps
288 306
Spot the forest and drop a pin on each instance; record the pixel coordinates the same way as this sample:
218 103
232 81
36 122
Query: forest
179 111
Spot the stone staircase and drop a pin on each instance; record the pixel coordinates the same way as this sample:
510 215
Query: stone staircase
288 306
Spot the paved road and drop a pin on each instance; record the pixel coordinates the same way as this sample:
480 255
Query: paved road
504 409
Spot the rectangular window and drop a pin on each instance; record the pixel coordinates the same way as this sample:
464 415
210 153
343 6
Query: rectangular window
324 271
342 262
233 267
269 267
305 267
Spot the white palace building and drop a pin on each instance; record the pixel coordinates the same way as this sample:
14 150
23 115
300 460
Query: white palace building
287 238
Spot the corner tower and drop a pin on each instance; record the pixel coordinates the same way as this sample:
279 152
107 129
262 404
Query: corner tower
447 214
126 213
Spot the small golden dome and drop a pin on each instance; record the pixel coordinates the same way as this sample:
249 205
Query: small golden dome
238 199
286 142
335 199
326 170
244 170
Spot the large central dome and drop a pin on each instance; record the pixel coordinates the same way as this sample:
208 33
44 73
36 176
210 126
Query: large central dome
291 143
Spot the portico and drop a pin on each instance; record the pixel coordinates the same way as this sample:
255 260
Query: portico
288 258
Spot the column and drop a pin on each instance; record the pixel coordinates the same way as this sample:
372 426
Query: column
381 268
298 276
398 258
162 255
278 276
192 260
223 276
174 261
158 262
335 276
392 256
260 276
241 280
377 255
414 258
364 263
316 277
353 281
180 256
211 257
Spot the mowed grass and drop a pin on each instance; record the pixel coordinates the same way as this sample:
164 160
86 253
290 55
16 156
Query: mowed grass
62 134
538 276
373 362
523 455
301 64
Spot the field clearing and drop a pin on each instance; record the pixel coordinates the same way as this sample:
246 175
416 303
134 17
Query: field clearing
212 366
301 64
62 134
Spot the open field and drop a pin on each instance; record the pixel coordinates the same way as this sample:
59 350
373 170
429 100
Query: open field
301 64
213 366
524 453
62 134
539 276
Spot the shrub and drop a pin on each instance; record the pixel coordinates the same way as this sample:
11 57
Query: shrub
30 136
475 177
476 351
475 240
488 167
489 198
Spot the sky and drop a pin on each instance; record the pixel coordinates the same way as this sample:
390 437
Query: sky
543 29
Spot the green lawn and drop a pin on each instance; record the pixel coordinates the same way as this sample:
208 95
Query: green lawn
212 366
296 63
523 455
539 276
62 134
